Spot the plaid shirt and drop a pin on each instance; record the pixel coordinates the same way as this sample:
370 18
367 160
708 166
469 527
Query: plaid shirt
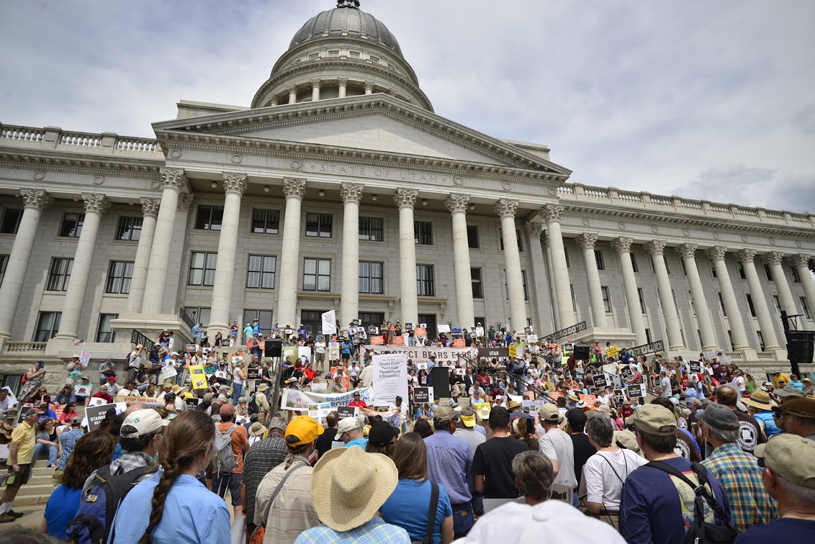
375 531
740 476
127 462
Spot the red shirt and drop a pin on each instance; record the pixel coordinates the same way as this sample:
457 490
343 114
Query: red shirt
359 403
105 396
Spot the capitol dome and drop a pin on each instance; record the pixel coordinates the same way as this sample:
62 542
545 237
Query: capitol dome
338 53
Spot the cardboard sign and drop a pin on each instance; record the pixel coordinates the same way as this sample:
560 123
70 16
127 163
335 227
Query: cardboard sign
613 351
636 391
334 351
84 358
590 400
532 338
695 366
168 372
96 414
461 371
389 377
376 341
253 374
513 350
192 402
83 390
347 411
422 331
421 395
408 326
626 373
398 340
599 380
555 394
149 401
198 377
619 397
459 343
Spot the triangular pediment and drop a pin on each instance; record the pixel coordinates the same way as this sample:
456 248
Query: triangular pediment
373 123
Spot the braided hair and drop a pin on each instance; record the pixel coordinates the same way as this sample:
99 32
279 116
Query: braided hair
184 440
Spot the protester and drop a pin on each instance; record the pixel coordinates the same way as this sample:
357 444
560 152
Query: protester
789 478
46 442
262 457
325 439
91 452
410 503
350 432
382 438
284 496
796 415
173 506
68 413
737 472
533 475
348 487
20 458
466 429
583 448
227 472
760 407
67 443
492 463
557 446
423 428
750 434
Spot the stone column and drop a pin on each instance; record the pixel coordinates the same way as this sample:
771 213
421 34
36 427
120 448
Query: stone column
406 199
632 297
293 95
295 190
17 268
173 180
801 263
95 206
552 214
731 306
765 321
534 232
506 208
656 248
234 186
369 89
343 83
349 303
774 259
552 288
149 208
687 252
316 85
457 205
598 311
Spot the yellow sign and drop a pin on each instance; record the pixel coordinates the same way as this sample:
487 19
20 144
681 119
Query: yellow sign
613 351
513 350
198 377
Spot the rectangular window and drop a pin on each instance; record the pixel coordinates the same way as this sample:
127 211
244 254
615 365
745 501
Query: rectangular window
803 300
265 221
425 280
642 300
478 285
104 332
209 217
129 229
11 220
264 318
795 277
653 268
721 303
777 302
606 299
260 272
59 274
684 268
71 226
202 268
517 237
312 321
354 54
566 255
316 275
472 237
634 264
370 229
730 338
667 266
367 319
423 233
648 338
598 257
750 305
768 271
334 53
760 340
742 274
523 281
574 300
119 275
200 315
319 225
47 326
371 277
3 265
713 271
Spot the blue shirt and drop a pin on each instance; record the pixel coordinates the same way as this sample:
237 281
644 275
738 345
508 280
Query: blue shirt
192 514
449 463
407 507
766 418
780 530
68 439
361 442
61 509
375 531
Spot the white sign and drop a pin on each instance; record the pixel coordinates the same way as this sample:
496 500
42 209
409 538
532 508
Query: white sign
167 373
84 358
444 328
333 351
304 351
532 338
390 378
330 322
83 390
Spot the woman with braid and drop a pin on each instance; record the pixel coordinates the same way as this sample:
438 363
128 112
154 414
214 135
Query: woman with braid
173 506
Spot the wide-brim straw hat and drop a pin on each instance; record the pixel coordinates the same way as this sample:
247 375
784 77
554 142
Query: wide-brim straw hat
257 429
349 486
759 399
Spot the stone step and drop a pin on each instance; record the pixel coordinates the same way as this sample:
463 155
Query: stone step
35 488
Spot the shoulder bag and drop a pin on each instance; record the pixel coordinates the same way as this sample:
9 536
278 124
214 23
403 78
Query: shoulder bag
260 531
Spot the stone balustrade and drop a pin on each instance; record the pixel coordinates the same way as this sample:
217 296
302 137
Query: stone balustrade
21 348
63 140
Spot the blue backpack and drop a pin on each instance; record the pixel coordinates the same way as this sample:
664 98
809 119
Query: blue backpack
98 506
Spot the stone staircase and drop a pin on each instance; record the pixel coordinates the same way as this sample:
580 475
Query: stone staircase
39 488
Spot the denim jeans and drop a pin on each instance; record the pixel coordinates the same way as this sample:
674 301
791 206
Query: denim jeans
237 391
463 519
51 451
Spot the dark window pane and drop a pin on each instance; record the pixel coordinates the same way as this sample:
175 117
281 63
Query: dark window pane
11 220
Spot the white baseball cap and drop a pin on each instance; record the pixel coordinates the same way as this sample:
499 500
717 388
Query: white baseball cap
144 421
348 424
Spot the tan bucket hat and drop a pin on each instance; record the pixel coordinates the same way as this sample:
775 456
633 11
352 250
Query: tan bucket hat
349 486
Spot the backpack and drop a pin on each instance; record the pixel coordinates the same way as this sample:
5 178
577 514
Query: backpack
224 460
98 507
702 532
253 405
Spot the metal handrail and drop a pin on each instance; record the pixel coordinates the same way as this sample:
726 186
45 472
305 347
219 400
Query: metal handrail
185 317
137 338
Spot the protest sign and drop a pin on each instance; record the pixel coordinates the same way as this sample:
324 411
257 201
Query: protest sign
192 348
290 353
96 414
555 394
491 353
459 343
377 340
167 372
444 328
253 373
390 377
83 390
599 380
619 396
192 402
626 373
422 353
304 352
532 338
347 411
84 358
636 391
590 401
613 351
198 377
294 399
422 395
513 350
421 366
96 401
695 366
320 411
398 340
149 401
420 331
334 351
329 323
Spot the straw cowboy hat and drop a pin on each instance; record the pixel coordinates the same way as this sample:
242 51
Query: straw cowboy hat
177 389
759 399
349 486
263 387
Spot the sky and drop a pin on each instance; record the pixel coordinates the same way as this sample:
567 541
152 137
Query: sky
700 99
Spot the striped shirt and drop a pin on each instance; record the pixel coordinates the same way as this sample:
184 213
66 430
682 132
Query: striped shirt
262 457
740 477
292 512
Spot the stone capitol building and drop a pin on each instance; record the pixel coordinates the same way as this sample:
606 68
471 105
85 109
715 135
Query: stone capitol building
339 188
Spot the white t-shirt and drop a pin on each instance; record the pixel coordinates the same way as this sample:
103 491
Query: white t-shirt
558 445
319 347
599 482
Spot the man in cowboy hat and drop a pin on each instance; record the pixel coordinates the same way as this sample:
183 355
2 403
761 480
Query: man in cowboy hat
347 488
557 446
796 415
262 402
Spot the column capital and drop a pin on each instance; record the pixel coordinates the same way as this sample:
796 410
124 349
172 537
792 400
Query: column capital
369 86
235 183
801 259
405 198
173 177
622 244
552 212
655 247
293 89
294 188
351 192
342 81
587 240
506 207
95 203
773 257
185 201
150 206
687 251
457 202
37 199
746 255
717 253
533 230
316 83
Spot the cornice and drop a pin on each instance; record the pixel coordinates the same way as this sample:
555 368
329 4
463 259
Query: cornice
79 163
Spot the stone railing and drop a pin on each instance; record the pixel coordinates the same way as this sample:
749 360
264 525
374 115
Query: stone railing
23 134
26 347
735 355
106 143
765 356
576 192
78 139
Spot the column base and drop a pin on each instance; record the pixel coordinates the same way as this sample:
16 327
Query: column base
618 337
151 325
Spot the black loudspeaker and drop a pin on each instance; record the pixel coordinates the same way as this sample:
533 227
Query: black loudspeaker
441 382
800 346
273 348
581 353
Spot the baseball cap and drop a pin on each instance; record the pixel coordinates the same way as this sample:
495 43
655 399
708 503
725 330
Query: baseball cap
468 416
305 428
788 391
549 412
144 421
654 419
444 413
278 422
797 406
719 416
790 456
382 433
348 424
76 421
